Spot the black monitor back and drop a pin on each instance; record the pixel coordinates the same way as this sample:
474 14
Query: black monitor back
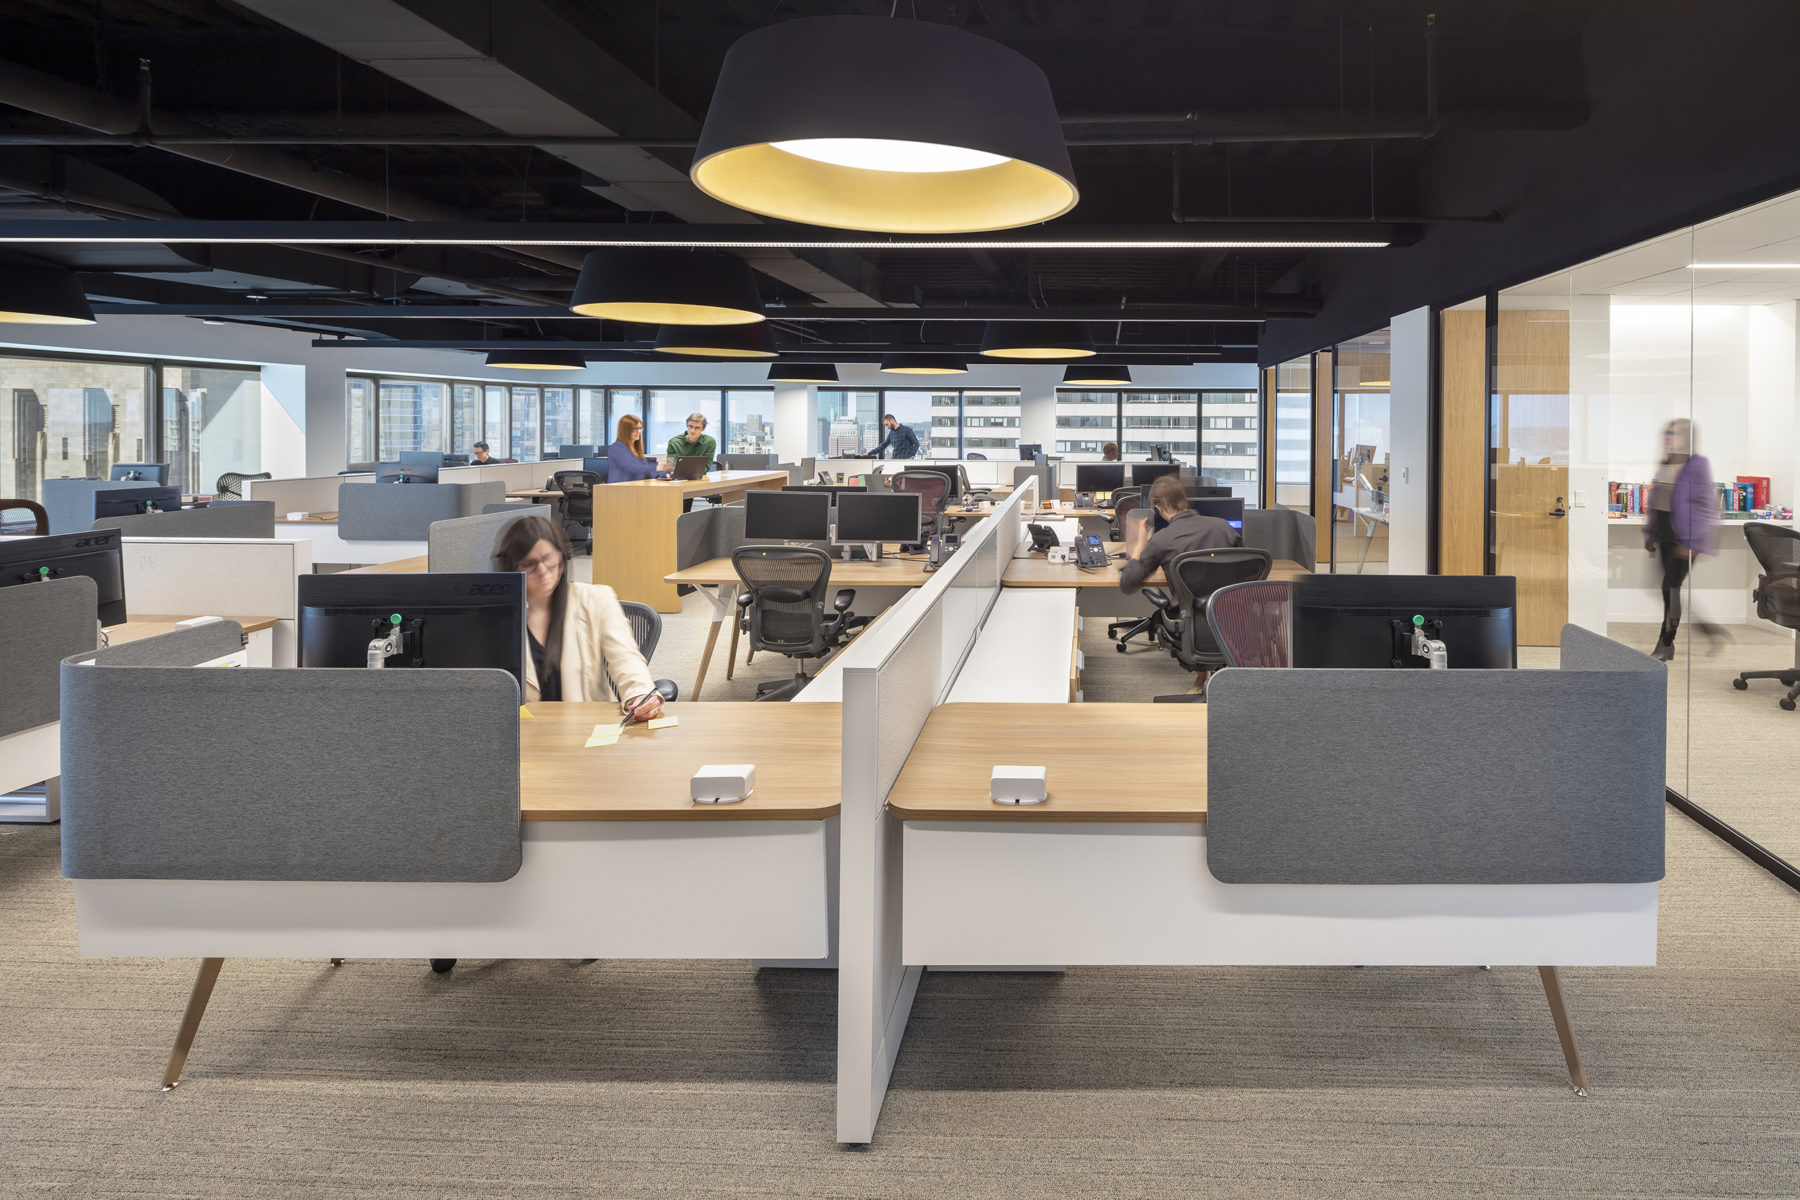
1200 491
387 472
452 620
1145 474
1366 621
96 554
1226 508
141 472
599 465
1028 451
420 466
800 516
1099 477
130 501
587 450
879 517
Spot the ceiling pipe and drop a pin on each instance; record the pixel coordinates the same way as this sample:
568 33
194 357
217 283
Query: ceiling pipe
49 96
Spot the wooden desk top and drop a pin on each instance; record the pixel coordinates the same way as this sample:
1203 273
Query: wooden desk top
416 565
138 628
1080 745
706 485
1034 514
890 571
644 775
317 518
1038 571
533 494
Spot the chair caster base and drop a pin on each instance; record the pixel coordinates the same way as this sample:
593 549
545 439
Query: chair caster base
1579 1091
442 966
1742 685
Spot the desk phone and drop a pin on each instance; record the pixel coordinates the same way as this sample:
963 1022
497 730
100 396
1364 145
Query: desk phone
1090 551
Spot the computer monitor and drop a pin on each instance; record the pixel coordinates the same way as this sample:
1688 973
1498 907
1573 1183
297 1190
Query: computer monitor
387 472
1367 621
455 460
586 450
1040 459
599 465
874 517
447 620
1029 451
747 462
1228 509
1145 474
1099 477
1198 491
130 501
141 472
420 466
834 490
96 554
1159 452
802 516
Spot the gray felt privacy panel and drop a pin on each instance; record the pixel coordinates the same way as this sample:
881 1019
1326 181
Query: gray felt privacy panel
227 519
1283 532
708 533
291 774
393 512
1381 777
177 648
40 625
466 544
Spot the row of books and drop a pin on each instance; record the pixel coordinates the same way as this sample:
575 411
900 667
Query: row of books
1747 493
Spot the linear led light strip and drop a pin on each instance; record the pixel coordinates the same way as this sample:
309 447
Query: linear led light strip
711 244
1787 266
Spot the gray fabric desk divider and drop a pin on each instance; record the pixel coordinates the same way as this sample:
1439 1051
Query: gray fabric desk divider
178 648
467 543
40 625
1283 532
1440 776
239 519
391 512
308 775
708 533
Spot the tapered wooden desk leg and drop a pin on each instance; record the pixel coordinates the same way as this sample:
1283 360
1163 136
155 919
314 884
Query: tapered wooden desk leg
337 962
1565 1032
724 609
190 1020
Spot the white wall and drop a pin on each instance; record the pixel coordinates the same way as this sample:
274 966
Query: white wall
1409 422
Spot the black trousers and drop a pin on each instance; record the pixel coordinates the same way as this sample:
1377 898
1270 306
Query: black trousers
1675 571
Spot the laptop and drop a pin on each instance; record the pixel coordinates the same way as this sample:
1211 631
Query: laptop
691 466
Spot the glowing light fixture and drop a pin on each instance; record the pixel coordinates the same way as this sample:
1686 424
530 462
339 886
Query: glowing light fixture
924 364
803 373
42 295
662 287
892 126
536 360
1036 340
717 341
1090 374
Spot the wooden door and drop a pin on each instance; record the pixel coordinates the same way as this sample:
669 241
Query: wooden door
1530 465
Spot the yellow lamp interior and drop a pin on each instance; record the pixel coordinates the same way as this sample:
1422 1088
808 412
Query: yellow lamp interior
524 365
643 313
30 318
923 371
1038 352
716 351
764 179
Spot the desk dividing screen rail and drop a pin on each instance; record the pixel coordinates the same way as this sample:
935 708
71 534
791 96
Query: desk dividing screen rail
220 519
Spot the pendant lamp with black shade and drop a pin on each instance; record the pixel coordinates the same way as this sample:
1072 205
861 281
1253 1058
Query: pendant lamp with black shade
716 341
1036 340
857 122
1093 374
33 294
924 364
803 373
667 287
529 359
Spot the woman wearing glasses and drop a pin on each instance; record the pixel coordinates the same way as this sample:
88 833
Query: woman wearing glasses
625 459
579 636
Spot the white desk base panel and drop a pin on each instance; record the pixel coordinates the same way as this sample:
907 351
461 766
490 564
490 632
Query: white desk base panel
585 889
328 547
1140 894
27 758
1025 651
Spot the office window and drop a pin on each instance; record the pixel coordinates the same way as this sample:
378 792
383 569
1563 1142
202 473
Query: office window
990 424
849 423
93 413
1152 419
1085 422
559 418
499 420
526 420
1293 433
410 416
669 409
590 416
749 421
212 423
915 410
465 417
359 420
620 401
1231 447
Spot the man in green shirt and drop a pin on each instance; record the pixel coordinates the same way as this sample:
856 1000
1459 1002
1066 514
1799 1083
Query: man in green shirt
695 441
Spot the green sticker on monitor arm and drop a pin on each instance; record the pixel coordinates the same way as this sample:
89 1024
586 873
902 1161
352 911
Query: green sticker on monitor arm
1418 620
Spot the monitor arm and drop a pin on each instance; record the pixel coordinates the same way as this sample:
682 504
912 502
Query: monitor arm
1431 649
383 648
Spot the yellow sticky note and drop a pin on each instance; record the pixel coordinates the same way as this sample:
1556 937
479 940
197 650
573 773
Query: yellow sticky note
665 722
524 713
601 739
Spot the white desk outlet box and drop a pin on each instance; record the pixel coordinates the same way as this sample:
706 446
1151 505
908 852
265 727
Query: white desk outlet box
1018 785
722 783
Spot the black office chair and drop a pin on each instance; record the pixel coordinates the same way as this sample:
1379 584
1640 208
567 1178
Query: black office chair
1181 623
782 608
577 488
933 490
974 457
646 630
230 485
1123 501
1777 597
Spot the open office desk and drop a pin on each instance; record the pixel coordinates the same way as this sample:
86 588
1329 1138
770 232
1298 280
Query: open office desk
321 528
634 529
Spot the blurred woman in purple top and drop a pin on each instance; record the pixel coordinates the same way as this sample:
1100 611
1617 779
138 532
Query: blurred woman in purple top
1680 524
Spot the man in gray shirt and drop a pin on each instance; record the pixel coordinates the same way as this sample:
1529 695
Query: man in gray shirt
1186 530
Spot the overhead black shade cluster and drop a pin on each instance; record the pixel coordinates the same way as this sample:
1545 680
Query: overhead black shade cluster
1031 340
893 126
803 373
667 287
924 364
31 294
716 341
529 359
1094 374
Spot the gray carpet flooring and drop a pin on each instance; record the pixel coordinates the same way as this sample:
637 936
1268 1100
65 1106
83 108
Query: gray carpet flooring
655 1079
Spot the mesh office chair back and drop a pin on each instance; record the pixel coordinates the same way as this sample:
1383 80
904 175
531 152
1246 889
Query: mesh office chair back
933 490
1193 578
646 631
1777 551
786 613
1253 622
230 485
577 488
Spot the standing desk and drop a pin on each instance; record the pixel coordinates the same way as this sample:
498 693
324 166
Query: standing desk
634 529
718 581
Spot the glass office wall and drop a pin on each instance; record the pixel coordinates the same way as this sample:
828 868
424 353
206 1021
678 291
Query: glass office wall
1292 406
1361 452
849 422
72 418
211 424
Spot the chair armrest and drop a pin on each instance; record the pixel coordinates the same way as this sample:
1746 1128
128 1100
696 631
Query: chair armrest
667 689
844 599
1161 599
746 598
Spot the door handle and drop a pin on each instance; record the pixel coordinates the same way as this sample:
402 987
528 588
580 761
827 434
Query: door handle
1559 511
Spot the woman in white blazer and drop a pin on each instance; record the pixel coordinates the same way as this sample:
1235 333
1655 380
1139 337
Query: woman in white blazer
578 633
